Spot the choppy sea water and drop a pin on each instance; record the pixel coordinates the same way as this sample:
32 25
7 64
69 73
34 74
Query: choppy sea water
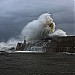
37 64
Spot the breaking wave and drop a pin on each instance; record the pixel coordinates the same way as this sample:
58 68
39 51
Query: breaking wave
35 30
9 44
42 27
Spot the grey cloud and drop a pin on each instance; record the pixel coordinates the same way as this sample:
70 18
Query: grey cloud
15 14
64 17
67 27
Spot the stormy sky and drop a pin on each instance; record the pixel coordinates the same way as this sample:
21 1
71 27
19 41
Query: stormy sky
15 14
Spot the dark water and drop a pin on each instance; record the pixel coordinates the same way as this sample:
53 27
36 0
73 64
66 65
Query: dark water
37 64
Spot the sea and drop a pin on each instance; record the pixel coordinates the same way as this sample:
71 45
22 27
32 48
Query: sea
37 64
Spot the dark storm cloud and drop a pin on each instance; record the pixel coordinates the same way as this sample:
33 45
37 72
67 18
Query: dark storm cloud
15 14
